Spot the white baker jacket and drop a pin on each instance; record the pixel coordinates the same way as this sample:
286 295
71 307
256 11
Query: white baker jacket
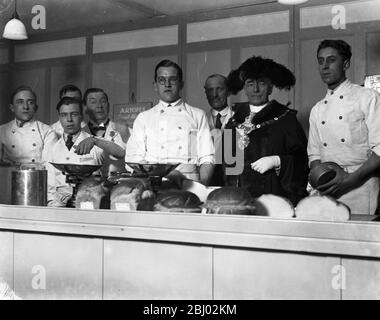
178 133
345 128
25 144
58 189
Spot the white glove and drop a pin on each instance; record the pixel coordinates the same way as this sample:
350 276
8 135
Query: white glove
266 163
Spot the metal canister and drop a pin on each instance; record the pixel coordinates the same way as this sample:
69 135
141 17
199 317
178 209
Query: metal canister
29 185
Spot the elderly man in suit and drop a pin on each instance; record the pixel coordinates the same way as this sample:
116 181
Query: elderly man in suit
217 93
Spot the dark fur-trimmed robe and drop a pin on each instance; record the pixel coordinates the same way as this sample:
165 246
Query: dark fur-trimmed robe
285 138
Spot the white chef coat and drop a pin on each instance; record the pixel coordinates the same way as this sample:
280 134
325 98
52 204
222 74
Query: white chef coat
176 134
111 163
57 127
25 144
57 186
345 128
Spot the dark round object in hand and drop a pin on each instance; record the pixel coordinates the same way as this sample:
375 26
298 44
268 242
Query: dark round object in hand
230 200
323 173
177 201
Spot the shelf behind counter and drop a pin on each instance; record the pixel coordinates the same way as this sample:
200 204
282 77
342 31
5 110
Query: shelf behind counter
55 253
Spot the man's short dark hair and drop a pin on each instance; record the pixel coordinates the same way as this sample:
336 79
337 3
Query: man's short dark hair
22 88
69 88
93 90
168 63
343 48
70 100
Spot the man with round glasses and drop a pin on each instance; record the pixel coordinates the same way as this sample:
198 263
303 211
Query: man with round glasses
173 131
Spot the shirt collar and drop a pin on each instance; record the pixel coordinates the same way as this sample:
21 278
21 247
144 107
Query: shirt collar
257 109
102 124
20 124
75 136
223 112
172 104
343 87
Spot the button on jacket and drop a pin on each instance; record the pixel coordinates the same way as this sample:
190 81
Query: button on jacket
57 186
24 144
177 133
345 128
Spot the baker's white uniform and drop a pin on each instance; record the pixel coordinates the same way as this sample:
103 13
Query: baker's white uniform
59 191
25 144
345 128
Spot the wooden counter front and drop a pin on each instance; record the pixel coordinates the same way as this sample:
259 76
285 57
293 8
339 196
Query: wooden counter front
51 253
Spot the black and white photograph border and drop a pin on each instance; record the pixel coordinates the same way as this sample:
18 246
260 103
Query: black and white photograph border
88 253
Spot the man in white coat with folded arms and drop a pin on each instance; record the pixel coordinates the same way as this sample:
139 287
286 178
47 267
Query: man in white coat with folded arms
173 131
75 147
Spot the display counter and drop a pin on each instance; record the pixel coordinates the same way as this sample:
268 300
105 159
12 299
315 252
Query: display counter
56 253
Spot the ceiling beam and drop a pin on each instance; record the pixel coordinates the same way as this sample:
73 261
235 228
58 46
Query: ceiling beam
133 5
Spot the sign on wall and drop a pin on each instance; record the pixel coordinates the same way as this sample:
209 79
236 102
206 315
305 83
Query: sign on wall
124 114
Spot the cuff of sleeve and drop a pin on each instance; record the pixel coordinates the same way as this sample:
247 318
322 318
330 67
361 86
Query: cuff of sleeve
313 158
277 166
207 159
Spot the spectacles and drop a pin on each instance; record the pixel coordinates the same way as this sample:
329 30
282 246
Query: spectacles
172 80
72 115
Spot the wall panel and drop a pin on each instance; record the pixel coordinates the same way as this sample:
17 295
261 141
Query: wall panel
238 274
148 270
6 260
373 53
238 27
5 85
360 279
136 39
199 66
50 49
113 77
4 55
58 267
62 75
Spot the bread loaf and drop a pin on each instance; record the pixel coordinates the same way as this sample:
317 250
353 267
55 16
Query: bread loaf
92 194
274 206
230 200
322 208
132 194
177 201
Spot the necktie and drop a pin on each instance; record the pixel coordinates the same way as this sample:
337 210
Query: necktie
69 142
218 123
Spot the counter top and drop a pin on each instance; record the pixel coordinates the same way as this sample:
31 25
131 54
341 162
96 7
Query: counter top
352 238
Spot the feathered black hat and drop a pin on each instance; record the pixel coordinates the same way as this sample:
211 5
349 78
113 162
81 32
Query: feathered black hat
258 67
